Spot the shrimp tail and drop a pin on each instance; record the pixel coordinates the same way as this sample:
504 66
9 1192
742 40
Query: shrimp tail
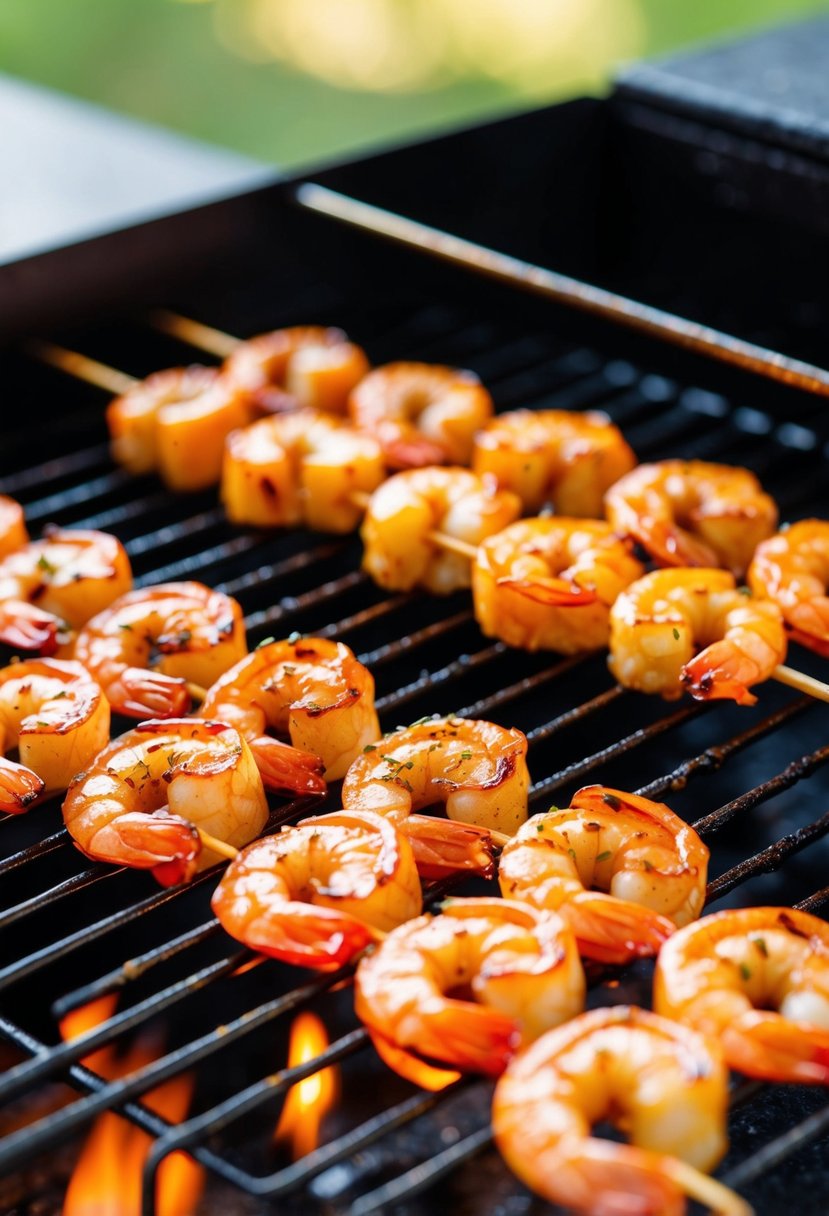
19 787
413 452
141 693
283 767
25 627
149 842
472 1037
410 1066
445 846
553 592
721 673
600 1179
614 931
309 935
767 1045
672 546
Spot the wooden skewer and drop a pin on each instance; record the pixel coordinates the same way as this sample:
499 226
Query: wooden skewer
708 1191
218 846
197 693
204 337
113 380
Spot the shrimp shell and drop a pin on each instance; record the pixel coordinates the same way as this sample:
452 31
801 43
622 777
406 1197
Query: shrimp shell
792 568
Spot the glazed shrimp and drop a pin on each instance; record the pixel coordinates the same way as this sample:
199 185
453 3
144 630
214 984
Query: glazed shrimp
658 622
621 870
52 586
664 1084
549 583
313 690
304 467
520 966
476 768
143 797
306 365
560 457
144 648
13 534
758 979
175 423
404 513
690 513
792 569
55 714
421 413
316 894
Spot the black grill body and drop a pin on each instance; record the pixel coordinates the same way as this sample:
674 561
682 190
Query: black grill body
606 192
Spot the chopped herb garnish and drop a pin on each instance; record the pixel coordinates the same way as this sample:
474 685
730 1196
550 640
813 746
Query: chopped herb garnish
760 943
294 637
419 721
41 723
370 747
127 628
466 755
605 856
745 591
572 853
265 642
539 827
675 632
745 971
60 695
289 669
45 566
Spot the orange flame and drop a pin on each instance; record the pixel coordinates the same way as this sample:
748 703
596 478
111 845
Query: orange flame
308 1100
107 1177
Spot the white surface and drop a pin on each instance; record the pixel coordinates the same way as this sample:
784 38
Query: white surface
71 170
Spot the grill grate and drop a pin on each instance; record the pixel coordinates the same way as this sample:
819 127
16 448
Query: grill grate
74 932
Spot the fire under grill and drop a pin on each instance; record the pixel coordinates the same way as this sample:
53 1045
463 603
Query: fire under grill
754 782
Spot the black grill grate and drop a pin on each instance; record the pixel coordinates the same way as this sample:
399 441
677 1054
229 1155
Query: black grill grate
754 782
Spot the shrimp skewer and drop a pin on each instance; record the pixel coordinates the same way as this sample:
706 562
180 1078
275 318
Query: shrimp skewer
550 583
52 586
521 967
317 894
311 689
792 568
58 718
147 645
664 1084
691 513
144 798
562 457
758 979
623 871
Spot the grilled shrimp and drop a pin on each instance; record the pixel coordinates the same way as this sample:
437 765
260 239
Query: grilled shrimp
144 648
313 690
13 534
421 413
296 468
142 798
792 568
398 529
757 979
315 894
549 583
476 768
520 966
52 586
175 423
303 366
554 456
621 870
664 1084
55 714
690 513
656 624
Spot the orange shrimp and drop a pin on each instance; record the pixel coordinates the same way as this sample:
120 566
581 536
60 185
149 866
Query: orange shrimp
302 366
662 1083
561 457
792 568
421 413
313 690
50 587
657 622
13 534
176 422
398 531
549 583
304 467
521 968
141 800
184 631
477 769
758 980
55 714
690 513
621 870
316 894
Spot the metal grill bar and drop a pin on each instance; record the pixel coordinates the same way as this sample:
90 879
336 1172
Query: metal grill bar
418 1179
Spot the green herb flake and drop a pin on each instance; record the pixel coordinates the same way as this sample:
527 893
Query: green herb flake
746 591
265 642
294 637
466 755
605 856
572 853
60 695
745 971
127 628
369 747
46 566
760 943
418 722
675 632
42 723
539 827
289 669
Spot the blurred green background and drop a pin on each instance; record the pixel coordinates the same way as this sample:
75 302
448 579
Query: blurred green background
291 81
